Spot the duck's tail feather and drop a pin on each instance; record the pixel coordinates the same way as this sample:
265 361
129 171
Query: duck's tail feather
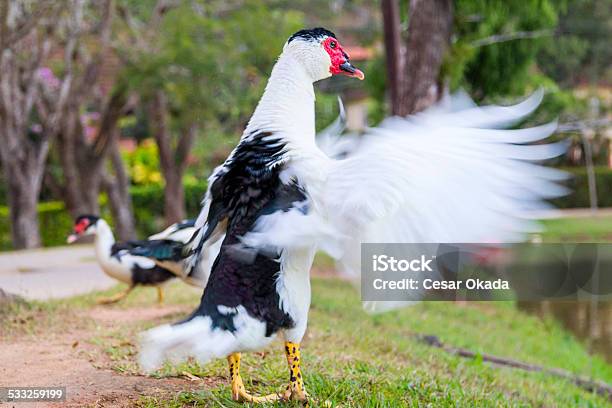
194 337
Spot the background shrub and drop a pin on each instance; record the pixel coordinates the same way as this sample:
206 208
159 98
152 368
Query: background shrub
55 225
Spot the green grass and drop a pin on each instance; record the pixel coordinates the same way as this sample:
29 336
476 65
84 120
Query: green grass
351 359
584 229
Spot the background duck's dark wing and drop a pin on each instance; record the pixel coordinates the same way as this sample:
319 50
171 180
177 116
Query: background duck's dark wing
126 246
161 250
170 256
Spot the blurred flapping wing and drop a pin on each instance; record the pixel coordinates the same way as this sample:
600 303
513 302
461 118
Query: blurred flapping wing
444 176
448 175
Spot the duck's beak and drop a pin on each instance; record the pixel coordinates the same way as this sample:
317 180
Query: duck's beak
351 71
71 238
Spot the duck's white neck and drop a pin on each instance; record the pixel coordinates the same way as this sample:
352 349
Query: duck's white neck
287 105
104 240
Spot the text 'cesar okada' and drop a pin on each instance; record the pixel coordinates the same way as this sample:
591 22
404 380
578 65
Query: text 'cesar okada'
428 284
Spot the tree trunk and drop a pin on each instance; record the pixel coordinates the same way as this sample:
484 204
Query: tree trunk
393 51
429 31
70 189
23 167
22 200
83 162
72 172
174 196
172 161
117 188
23 151
90 182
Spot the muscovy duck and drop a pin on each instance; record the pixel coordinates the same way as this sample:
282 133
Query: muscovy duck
446 175
117 261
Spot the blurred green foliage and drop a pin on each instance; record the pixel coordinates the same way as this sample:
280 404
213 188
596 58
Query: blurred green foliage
503 67
375 83
508 48
148 202
210 58
143 163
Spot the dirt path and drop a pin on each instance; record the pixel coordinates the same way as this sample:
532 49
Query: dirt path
69 359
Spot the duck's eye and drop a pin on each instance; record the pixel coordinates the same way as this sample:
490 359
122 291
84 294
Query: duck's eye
332 44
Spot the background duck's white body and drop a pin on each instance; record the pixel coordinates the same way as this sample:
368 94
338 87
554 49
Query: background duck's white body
120 260
116 267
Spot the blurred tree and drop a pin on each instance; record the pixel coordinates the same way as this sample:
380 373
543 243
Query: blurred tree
86 150
24 45
487 46
51 59
203 65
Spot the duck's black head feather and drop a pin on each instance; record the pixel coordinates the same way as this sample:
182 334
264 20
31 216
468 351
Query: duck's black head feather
311 34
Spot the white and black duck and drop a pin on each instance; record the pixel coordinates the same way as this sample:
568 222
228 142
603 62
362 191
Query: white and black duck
117 260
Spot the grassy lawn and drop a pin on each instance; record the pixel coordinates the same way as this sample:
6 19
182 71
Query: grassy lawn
351 359
584 229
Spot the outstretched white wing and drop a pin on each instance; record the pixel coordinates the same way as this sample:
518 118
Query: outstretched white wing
450 174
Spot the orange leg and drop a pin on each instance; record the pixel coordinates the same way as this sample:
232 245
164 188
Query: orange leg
295 389
115 298
238 391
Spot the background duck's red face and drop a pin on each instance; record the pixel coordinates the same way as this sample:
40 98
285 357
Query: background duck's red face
81 227
340 64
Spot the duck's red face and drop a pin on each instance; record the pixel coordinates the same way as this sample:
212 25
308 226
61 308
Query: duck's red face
340 64
82 227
